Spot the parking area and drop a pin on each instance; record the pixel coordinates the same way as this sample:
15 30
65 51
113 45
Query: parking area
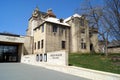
19 71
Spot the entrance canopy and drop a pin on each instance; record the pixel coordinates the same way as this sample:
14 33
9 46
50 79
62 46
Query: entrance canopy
11 47
4 37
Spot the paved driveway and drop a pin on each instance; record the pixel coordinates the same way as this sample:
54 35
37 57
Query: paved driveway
18 71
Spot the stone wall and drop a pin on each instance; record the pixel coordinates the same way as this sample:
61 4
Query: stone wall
53 58
54 39
39 36
114 50
28 45
77 35
94 42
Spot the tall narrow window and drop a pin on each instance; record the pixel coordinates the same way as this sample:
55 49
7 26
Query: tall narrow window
63 30
38 44
82 22
41 57
35 45
42 43
45 57
63 44
37 57
83 45
54 28
42 28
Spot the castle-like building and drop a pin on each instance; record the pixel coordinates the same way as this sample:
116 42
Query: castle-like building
47 33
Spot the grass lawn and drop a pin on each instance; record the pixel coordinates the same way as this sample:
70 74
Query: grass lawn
95 61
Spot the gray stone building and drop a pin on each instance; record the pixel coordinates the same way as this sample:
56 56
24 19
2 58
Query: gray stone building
49 33
45 34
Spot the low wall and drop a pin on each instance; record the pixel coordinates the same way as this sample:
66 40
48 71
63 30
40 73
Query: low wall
58 60
54 58
86 73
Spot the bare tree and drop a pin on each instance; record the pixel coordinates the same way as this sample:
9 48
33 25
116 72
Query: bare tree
112 17
105 17
95 16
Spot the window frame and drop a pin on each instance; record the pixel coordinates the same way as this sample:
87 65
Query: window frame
38 44
42 44
83 45
63 44
35 46
82 22
54 28
42 28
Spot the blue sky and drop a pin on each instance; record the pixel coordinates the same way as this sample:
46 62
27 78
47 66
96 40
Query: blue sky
14 14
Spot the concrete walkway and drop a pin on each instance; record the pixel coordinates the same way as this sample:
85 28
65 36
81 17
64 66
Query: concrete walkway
19 71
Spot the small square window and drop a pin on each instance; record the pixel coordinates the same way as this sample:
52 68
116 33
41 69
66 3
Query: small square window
83 31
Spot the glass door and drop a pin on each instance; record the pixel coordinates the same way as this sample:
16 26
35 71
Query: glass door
8 53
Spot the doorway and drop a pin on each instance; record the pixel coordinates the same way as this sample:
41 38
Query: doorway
8 53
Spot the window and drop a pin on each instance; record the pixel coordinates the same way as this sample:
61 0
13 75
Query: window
38 44
83 45
41 57
54 28
82 22
42 28
63 44
37 57
45 57
35 46
62 30
83 31
90 34
42 42
38 28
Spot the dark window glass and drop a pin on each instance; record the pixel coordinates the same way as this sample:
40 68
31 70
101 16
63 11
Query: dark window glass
42 28
83 45
63 44
54 28
37 57
38 44
83 31
42 43
82 22
35 46
45 57
41 57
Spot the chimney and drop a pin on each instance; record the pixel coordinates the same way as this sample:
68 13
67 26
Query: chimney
50 13
61 20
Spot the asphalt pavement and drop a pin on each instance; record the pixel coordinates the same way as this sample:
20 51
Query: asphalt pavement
19 71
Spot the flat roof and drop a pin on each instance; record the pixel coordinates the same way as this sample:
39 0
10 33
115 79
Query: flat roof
9 34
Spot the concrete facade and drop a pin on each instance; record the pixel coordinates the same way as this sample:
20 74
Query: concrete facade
8 41
71 34
51 58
